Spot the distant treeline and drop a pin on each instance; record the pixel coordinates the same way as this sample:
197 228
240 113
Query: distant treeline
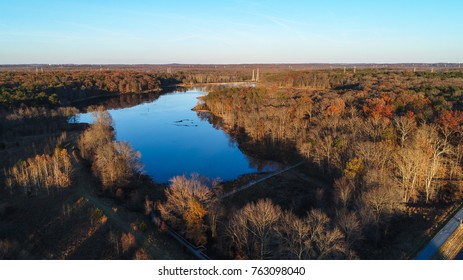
339 79
62 87
55 88
221 76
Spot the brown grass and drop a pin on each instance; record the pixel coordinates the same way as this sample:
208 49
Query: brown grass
452 246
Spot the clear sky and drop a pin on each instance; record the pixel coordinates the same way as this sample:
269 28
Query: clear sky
220 31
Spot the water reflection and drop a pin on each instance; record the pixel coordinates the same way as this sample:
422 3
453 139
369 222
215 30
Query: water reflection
175 140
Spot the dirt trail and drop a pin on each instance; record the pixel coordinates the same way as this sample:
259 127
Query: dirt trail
85 188
250 184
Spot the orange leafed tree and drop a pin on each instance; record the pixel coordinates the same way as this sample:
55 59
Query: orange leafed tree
194 218
378 108
191 207
450 122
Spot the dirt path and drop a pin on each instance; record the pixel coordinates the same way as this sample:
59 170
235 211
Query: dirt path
250 184
85 188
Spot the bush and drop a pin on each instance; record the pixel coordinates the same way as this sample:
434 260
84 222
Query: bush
142 227
96 215
128 242
450 193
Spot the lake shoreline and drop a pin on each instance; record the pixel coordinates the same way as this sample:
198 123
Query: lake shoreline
191 143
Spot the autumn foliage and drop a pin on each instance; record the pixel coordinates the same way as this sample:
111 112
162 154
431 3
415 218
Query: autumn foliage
191 207
113 162
52 88
41 173
386 142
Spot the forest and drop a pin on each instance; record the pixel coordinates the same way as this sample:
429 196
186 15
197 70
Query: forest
57 87
381 153
52 88
388 142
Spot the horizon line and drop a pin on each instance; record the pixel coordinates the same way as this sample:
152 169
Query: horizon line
250 63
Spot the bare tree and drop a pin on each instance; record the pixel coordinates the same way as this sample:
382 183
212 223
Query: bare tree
98 135
404 125
350 226
325 241
294 234
434 148
343 190
240 238
116 163
377 155
408 165
380 195
252 228
215 208
42 172
330 244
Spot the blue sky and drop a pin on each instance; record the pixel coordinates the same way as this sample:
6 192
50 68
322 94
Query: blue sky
104 32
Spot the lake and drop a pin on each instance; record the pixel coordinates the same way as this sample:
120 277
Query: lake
173 140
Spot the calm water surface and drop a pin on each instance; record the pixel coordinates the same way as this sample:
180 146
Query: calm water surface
173 140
